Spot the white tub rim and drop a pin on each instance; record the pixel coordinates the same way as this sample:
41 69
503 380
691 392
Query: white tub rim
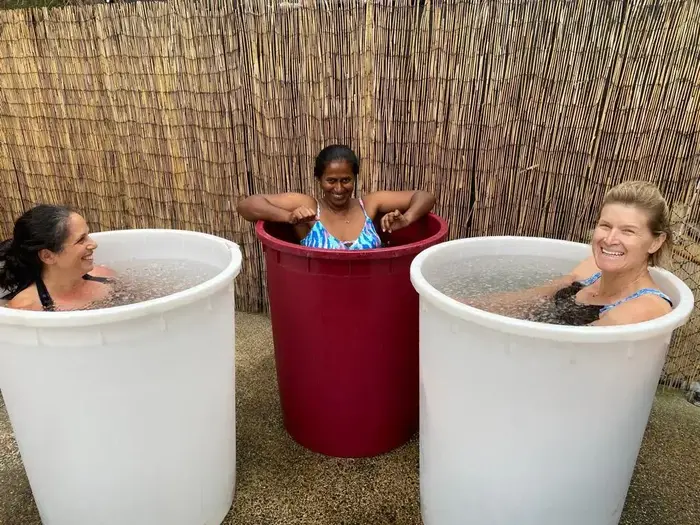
662 326
83 318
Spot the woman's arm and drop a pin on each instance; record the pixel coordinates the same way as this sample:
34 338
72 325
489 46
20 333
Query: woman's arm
510 302
277 207
402 207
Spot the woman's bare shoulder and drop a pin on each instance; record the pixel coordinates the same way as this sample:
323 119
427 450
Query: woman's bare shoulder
27 299
585 269
637 310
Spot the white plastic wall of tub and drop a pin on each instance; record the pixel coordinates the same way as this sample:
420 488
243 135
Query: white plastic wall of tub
528 423
126 415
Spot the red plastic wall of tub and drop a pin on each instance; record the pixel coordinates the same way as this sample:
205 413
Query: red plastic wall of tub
345 329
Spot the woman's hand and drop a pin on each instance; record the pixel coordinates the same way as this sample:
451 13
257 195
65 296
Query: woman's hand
302 214
394 220
401 207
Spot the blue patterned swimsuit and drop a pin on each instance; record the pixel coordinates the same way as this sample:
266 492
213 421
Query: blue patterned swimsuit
319 237
644 291
566 311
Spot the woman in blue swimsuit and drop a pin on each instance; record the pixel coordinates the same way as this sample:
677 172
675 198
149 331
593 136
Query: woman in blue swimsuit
613 286
47 265
337 221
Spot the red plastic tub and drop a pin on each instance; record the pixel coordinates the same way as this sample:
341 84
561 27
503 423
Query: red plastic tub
345 329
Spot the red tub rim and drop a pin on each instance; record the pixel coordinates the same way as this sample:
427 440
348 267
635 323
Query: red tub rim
378 253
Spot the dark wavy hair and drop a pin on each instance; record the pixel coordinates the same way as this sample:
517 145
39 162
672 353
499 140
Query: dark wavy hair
333 153
43 227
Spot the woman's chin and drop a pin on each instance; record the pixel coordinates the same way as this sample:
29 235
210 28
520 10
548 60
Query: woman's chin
340 203
87 266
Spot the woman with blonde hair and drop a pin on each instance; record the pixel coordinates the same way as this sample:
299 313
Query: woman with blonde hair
613 286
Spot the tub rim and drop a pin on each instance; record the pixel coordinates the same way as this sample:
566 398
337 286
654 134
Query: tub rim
377 253
664 325
159 305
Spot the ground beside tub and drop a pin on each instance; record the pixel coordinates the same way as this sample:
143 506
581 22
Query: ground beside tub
281 483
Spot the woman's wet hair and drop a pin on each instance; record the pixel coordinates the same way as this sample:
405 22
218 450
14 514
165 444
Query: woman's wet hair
335 153
646 197
43 227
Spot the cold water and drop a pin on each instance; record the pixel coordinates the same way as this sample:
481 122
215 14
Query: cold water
141 280
485 274
472 279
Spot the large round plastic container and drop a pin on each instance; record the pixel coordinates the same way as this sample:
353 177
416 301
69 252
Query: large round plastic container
345 328
531 423
126 415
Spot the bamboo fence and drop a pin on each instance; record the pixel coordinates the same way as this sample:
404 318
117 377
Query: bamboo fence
517 114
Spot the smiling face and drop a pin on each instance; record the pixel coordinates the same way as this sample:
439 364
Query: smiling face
338 183
622 240
75 255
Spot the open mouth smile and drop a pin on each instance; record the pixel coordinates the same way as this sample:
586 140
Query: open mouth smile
611 253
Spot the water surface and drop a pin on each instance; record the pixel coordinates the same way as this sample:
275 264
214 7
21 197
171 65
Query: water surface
475 280
143 280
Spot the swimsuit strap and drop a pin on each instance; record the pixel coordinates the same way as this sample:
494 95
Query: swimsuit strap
593 278
44 296
362 205
89 277
644 291
368 238
638 293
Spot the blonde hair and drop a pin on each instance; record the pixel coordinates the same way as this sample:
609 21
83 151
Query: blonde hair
646 197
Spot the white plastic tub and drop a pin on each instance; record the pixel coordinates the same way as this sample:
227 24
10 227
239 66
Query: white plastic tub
525 423
126 415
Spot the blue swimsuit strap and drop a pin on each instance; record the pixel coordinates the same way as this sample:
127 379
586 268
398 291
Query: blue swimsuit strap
638 293
362 205
593 278
644 291
369 224
368 228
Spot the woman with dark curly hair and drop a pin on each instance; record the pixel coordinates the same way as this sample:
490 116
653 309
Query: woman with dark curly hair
47 265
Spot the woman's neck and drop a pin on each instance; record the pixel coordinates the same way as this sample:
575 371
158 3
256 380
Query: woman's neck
61 282
338 210
621 284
